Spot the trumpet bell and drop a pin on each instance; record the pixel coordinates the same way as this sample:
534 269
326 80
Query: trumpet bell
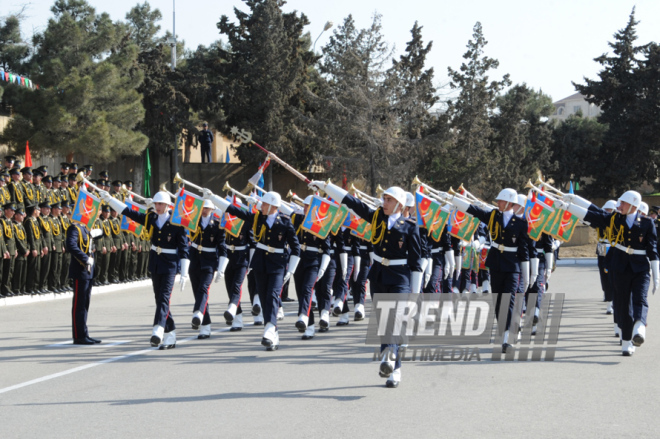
416 181
177 178
162 187
451 191
529 184
80 176
290 194
379 190
226 187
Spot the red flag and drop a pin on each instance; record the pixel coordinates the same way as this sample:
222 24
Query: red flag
28 157
344 180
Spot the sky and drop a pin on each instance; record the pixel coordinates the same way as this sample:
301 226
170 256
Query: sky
543 44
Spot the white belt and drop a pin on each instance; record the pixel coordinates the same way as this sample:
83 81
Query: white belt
363 247
348 249
331 251
436 250
306 248
203 249
630 251
604 241
504 249
390 262
167 251
270 249
235 248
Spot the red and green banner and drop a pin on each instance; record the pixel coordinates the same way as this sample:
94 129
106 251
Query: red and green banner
563 225
187 210
87 208
362 230
340 219
482 258
462 225
233 224
537 213
128 224
466 259
319 218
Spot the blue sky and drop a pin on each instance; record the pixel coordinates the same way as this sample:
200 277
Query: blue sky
544 44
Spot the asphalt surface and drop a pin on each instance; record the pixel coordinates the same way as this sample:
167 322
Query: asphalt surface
229 386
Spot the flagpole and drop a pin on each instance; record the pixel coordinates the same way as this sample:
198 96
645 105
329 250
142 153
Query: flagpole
288 167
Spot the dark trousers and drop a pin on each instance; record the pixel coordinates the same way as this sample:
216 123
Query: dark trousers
630 290
324 287
64 276
305 278
103 261
537 287
163 285
201 285
269 287
285 290
435 282
484 275
340 286
34 269
19 276
206 153
44 270
605 283
359 287
252 286
7 274
82 293
55 270
504 283
377 287
234 277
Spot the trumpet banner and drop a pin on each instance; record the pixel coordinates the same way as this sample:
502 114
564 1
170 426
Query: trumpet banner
128 224
87 208
232 224
466 259
538 212
339 219
430 214
320 217
187 210
363 230
462 225
563 225
482 258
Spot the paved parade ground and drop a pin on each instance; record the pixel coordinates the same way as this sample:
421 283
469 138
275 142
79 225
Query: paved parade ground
229 386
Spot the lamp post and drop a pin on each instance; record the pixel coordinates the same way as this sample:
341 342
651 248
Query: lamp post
327 26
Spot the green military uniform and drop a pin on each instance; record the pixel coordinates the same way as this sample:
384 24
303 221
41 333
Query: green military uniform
55 275
65 221
46 227
10 241
103 260
35 245
5 196
16 194
119 255
19 275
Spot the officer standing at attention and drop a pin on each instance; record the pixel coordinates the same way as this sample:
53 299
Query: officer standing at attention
65 221
633 239
20 267
46 228
208 248
270 264
169 247
35 244
58 233
508 258
397 266
79 244
205 139
10 240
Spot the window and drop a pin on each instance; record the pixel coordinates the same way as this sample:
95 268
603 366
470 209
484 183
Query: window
577 108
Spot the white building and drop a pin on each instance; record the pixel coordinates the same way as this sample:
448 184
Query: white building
573 104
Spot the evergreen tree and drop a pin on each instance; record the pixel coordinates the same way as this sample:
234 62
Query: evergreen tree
13 50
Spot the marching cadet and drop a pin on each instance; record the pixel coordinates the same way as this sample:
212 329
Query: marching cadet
10 240
119 246
314 260
45 228
103 246
65 222
19 275
633 239
397 256
602 251
79 244
508 259
272 231
58 234
360 276
234 270
169 248
206 255
348 252
35 245
324 284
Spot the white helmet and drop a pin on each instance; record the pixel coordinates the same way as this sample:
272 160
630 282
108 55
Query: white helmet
272 198
631 197
644 208
521 200
508 195
208 203
308 199
410 200
610 204
397 193
162 197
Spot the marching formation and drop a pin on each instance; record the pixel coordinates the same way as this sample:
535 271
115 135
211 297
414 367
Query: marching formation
331 244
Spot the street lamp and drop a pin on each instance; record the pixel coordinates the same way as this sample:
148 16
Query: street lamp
327 26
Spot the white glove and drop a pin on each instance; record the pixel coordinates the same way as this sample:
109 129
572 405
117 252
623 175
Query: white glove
416 282
356 267
577 200
325 261
185 266
293 263
449 263
460 203
207 193
428 271
549 260
476 245
458 260
115 204
90 264
149 202
251 200
95 233
524 268
424 264
222 266
655 272
559 204
105 196
343 259
317 185
534 266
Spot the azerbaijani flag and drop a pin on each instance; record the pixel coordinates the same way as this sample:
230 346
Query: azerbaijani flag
563 225
362 229
233 224
128 224
462 225
319 218
87 208
537 213
187 210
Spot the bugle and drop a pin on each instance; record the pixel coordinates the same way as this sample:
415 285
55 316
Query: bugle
548 188
295 198
181 181
234 192
540 190
80 178
126 191
439 196
163 188
372 202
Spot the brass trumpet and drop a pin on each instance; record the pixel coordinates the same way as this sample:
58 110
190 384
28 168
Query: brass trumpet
182 182
540 190
295 198
163 188
547 187
439 196
125 191
364 197
234 192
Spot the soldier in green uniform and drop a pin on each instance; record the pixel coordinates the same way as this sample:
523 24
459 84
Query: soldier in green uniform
64 168
15 192
27 189
57 231
119 247
8 162
65 221
39 188
103 246
19 275
8 235
72 189
35 245
46 228
5 196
